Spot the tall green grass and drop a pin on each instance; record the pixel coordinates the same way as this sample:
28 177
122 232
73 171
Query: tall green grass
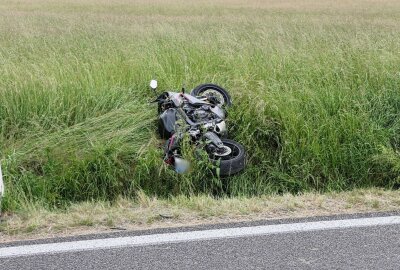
315 88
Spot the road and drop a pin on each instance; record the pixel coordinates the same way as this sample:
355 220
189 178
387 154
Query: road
350 242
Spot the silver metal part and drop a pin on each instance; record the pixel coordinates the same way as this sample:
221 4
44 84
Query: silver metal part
218 95
200 114
214 139
194 132
219 112
220 128
208 126
194 100
226 151
176 98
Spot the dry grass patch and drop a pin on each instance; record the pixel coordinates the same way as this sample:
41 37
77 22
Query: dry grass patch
150 212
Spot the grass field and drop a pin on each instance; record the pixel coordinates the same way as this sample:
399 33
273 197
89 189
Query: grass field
316 88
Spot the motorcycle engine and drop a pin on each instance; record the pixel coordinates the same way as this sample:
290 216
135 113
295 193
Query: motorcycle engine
200 114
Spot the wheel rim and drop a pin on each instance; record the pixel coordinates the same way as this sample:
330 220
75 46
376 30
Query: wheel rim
226 151
220 97
234 152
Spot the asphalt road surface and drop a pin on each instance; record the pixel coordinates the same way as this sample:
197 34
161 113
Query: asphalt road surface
350 242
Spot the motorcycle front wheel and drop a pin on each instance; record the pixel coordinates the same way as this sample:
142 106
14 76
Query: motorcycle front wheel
231 159
209 89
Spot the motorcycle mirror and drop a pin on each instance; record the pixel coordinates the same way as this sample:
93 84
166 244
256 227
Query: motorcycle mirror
153 84
181 165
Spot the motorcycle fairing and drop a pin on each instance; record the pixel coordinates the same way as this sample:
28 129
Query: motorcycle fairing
167 123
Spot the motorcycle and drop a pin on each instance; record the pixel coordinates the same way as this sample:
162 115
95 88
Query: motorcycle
201 116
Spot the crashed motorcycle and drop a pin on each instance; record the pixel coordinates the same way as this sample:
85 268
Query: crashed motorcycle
200 116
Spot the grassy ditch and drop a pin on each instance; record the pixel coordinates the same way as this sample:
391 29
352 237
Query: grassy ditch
315 88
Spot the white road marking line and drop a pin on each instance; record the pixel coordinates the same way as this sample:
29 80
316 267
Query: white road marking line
155 239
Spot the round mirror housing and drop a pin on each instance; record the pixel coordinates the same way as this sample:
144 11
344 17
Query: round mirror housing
153 84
